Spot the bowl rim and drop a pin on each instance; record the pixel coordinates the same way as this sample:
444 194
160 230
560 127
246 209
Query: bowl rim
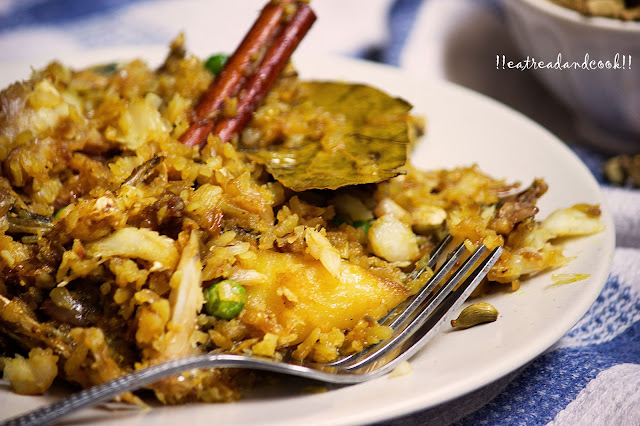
573 16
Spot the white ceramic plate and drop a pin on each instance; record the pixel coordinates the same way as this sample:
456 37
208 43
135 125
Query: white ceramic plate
463 128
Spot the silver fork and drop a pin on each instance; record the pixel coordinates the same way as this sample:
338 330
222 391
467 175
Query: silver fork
414 322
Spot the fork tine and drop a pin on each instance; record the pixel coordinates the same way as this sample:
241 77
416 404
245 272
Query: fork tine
434 312
401 313
428 288
451 304
433 258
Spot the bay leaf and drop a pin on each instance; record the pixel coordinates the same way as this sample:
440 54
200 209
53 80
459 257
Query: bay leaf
366 142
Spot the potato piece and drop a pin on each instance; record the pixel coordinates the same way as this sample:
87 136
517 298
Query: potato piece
393 240
33 375
298 294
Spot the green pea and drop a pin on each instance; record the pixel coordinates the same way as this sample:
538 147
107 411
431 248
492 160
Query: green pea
225 299
216 62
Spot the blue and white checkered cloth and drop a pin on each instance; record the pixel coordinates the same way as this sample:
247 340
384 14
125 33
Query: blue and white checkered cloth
592 375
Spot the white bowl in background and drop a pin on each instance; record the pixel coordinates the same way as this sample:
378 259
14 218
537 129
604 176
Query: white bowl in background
606 101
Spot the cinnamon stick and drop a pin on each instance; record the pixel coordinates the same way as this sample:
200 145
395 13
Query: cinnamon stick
265 33
274 61
229 80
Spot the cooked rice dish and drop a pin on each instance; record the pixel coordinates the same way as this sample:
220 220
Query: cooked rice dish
121 247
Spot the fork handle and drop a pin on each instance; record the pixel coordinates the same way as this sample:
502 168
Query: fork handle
94 395
132 381
90 397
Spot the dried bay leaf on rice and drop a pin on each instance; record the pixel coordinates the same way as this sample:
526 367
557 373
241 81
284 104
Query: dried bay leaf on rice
369 144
